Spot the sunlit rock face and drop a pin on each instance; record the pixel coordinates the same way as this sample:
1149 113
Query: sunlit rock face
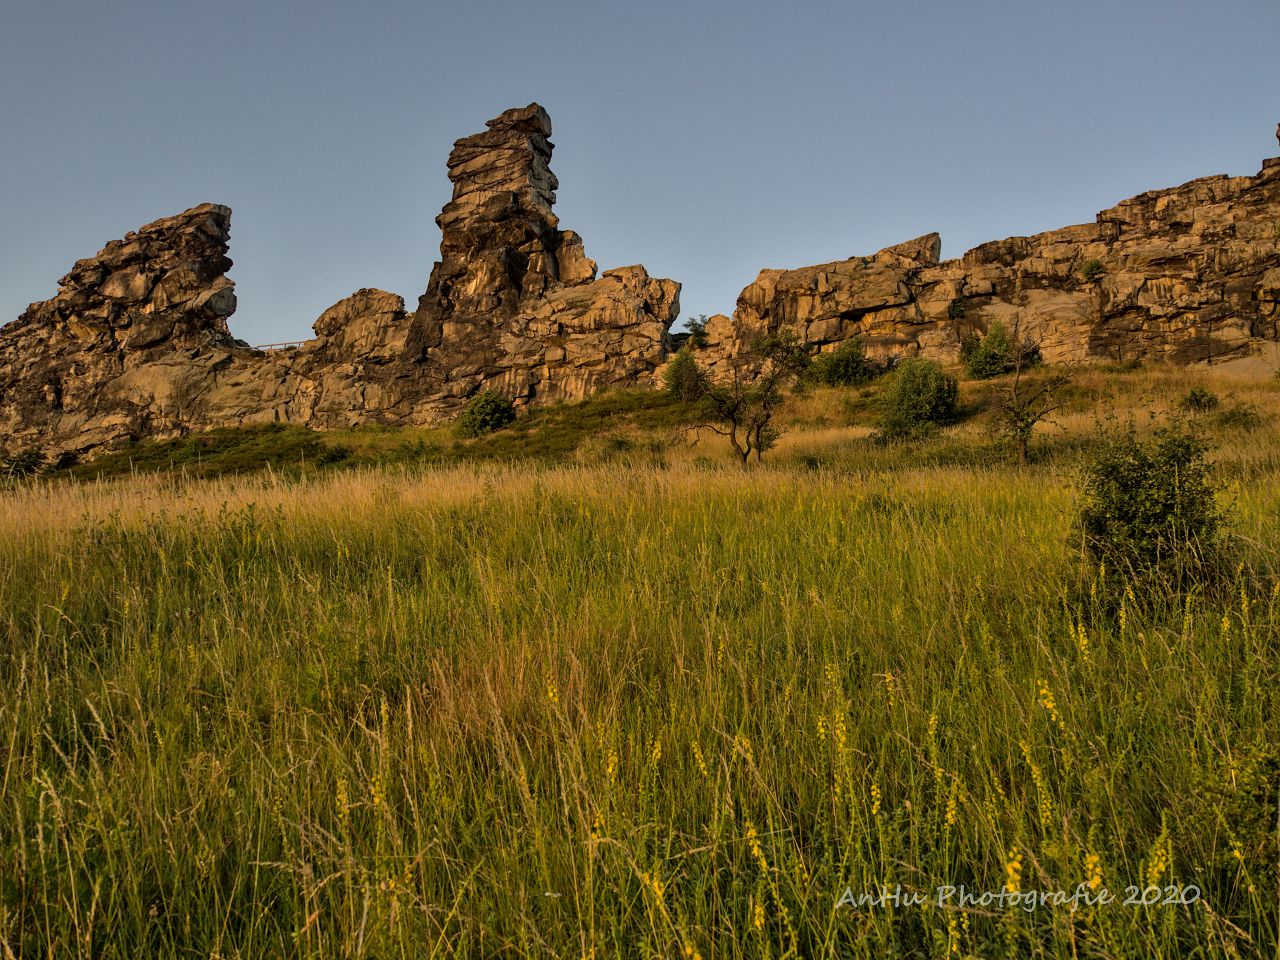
136 343
514 303
1182 275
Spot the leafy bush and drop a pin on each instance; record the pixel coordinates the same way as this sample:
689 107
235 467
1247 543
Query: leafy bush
1239 416
919 397
845 366
684 379
1199 400
1091 271
996 353
1149 512
486 412
23 464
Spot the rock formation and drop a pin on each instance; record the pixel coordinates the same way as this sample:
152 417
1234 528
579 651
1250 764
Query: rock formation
130 333
136 341
514 303
1182 275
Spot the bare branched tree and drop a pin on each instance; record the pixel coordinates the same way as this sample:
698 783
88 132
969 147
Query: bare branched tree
1025 401
744 409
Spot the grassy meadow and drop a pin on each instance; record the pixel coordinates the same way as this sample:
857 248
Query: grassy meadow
582 689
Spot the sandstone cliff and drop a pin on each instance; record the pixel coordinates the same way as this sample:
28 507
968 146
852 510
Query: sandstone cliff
136 341
1186 274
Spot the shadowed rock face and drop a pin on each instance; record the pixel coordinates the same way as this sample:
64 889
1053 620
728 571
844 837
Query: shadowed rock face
136 341
1181 275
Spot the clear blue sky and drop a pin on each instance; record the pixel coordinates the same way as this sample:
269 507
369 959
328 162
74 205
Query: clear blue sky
705 140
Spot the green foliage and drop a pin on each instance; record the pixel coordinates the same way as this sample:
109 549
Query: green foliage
684 379
1091 271
1148 510
996 353
23 464
845 366
1199 400
744 409
1233 817
955 310
555 433
920 397
486 412
1239 416
221 452
697 327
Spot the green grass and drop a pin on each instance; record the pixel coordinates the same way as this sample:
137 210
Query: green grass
539 712
613 423
566 692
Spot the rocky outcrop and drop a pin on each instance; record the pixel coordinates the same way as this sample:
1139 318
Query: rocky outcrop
514 303
130 333
136 341
1182 275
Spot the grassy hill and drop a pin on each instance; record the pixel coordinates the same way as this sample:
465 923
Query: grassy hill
581 688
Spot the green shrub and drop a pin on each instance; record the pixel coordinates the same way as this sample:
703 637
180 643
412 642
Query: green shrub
996 353
845 366
1199 400
486 412
919 397
1149 512
1239 416
23 464
697 327
1091 271
684 379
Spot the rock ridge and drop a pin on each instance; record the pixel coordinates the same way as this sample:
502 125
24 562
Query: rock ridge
1182 275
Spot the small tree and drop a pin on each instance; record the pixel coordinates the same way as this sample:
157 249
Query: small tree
697 327
1024 402
744 409
684 379
1148 508
997 353
486 412
919 397
845 366
23 464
